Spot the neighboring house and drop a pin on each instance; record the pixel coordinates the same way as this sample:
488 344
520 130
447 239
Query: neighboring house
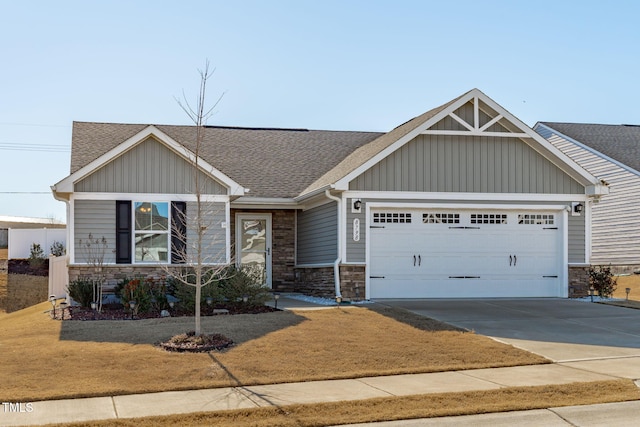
611 152
462 201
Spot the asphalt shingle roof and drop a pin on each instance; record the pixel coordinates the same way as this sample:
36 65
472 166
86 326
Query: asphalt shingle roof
273 163
619 142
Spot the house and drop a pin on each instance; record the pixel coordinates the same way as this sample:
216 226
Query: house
611 152
462 201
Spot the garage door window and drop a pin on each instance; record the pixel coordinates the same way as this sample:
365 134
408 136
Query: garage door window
488 218
441 218
391 217
537 219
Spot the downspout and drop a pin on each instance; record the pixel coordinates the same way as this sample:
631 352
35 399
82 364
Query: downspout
336 264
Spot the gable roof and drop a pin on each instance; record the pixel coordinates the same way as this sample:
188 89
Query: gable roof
271 163
499 122
618 142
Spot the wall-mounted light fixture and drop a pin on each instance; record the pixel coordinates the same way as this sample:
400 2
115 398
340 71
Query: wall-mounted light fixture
576 208
357 206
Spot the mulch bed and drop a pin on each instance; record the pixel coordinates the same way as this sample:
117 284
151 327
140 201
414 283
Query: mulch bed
23 266
118 312
192 343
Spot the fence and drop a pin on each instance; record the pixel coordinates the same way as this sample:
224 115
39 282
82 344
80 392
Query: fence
58 276
21 239
4 238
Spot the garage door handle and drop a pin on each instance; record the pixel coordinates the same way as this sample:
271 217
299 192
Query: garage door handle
510 260
515 260
414 260
419 260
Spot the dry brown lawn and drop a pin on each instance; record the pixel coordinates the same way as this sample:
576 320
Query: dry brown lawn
632 282
398 408
18 291
98 358
4 253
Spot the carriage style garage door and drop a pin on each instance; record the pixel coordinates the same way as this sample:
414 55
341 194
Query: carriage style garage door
423 253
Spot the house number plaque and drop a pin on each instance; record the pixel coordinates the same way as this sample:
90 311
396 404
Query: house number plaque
356 230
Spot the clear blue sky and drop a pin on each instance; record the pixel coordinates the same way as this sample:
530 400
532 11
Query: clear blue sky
342 65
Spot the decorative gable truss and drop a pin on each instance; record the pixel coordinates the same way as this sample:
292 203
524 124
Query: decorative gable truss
476 118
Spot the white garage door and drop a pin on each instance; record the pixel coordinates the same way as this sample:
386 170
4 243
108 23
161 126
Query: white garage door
464 254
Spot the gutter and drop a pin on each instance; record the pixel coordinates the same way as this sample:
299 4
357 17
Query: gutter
336 264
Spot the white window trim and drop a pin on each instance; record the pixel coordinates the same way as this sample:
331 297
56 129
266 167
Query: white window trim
136 232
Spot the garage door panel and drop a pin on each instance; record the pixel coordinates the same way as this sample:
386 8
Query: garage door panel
504 257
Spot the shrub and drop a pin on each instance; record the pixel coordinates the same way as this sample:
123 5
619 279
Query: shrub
245 281
57 249
602 280
186 294
150 294
36 257
82 291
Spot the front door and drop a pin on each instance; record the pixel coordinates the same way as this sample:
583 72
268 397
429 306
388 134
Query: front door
253 243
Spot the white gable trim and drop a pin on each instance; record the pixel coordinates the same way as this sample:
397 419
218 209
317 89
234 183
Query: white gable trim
548 150
67 184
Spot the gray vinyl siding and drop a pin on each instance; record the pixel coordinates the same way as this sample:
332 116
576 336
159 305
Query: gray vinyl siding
576 237
356 251
214 241
437 163
149 167
615 224
317 235
98 218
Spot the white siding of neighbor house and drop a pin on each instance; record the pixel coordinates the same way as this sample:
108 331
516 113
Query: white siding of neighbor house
98 218
149 167
615 228
317 235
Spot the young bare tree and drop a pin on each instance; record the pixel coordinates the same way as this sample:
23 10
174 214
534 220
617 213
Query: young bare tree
95 250
198 252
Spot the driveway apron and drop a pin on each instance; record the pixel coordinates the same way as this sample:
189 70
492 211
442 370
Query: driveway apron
561 330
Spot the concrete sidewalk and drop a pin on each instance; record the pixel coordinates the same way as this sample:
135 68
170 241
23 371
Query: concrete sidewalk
180 402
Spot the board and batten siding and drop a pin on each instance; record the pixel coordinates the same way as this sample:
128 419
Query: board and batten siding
149 167
98 218
356 251
214 238
437 163
615 224
317 235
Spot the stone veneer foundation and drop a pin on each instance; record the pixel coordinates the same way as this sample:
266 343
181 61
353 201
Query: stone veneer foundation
319 281
578 281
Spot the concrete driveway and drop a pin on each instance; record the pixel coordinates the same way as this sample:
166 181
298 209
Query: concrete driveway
562 330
